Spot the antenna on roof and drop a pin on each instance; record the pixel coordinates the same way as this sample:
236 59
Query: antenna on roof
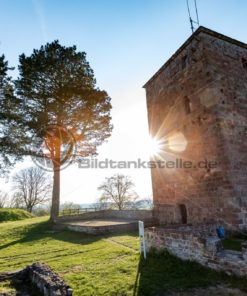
193 22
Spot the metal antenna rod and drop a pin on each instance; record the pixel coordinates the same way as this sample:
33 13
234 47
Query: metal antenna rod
192 22
197 17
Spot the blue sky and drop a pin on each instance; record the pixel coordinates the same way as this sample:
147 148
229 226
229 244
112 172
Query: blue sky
126 42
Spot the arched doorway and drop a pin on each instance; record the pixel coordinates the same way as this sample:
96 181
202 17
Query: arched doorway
183 213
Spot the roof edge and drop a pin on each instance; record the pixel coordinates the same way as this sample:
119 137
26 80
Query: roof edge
181 48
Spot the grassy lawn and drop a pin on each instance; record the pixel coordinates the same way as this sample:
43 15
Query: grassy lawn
94 265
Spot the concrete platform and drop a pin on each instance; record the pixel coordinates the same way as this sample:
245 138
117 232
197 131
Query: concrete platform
99 226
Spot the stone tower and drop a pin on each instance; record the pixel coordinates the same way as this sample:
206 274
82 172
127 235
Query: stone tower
197 110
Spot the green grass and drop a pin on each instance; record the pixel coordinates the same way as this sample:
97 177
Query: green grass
234 240
13 215
94 265
232 244
6 287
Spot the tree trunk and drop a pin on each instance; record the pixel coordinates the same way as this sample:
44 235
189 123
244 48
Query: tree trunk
56 183
29 209
55 194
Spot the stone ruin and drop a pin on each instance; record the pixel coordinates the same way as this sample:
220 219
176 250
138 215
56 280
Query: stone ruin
197 112
198 243
36 279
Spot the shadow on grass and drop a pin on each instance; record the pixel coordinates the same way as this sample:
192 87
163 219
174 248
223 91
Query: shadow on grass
163 273
43 230
16 284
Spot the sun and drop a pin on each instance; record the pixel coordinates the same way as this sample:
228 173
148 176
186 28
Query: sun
154 146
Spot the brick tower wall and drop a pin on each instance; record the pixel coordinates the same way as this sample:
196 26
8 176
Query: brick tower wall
201 95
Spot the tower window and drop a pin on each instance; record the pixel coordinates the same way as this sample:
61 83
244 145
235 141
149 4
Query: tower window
184 62
187 105
244 63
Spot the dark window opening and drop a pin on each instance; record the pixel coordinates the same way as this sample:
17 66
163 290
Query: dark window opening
183 213
184 62
244 63
187 105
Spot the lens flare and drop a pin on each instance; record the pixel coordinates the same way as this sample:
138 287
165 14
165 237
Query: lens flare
154 146
177 142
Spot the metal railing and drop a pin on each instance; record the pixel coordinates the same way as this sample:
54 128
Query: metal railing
68 212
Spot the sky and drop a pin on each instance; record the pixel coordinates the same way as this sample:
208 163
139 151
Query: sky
126 43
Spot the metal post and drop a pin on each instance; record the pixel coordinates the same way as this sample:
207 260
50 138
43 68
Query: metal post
142 239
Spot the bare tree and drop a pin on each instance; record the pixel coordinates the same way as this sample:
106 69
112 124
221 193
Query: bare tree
3 199
17 201
118 190
32 186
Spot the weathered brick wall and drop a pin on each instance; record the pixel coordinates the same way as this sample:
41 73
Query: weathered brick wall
225 59
167 214
198 244
209 74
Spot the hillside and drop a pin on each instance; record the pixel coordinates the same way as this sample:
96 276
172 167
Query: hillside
13 215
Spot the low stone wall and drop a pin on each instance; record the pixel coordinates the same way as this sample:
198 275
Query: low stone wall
99 230
48 282
144 215
198 243
83 216
42 278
